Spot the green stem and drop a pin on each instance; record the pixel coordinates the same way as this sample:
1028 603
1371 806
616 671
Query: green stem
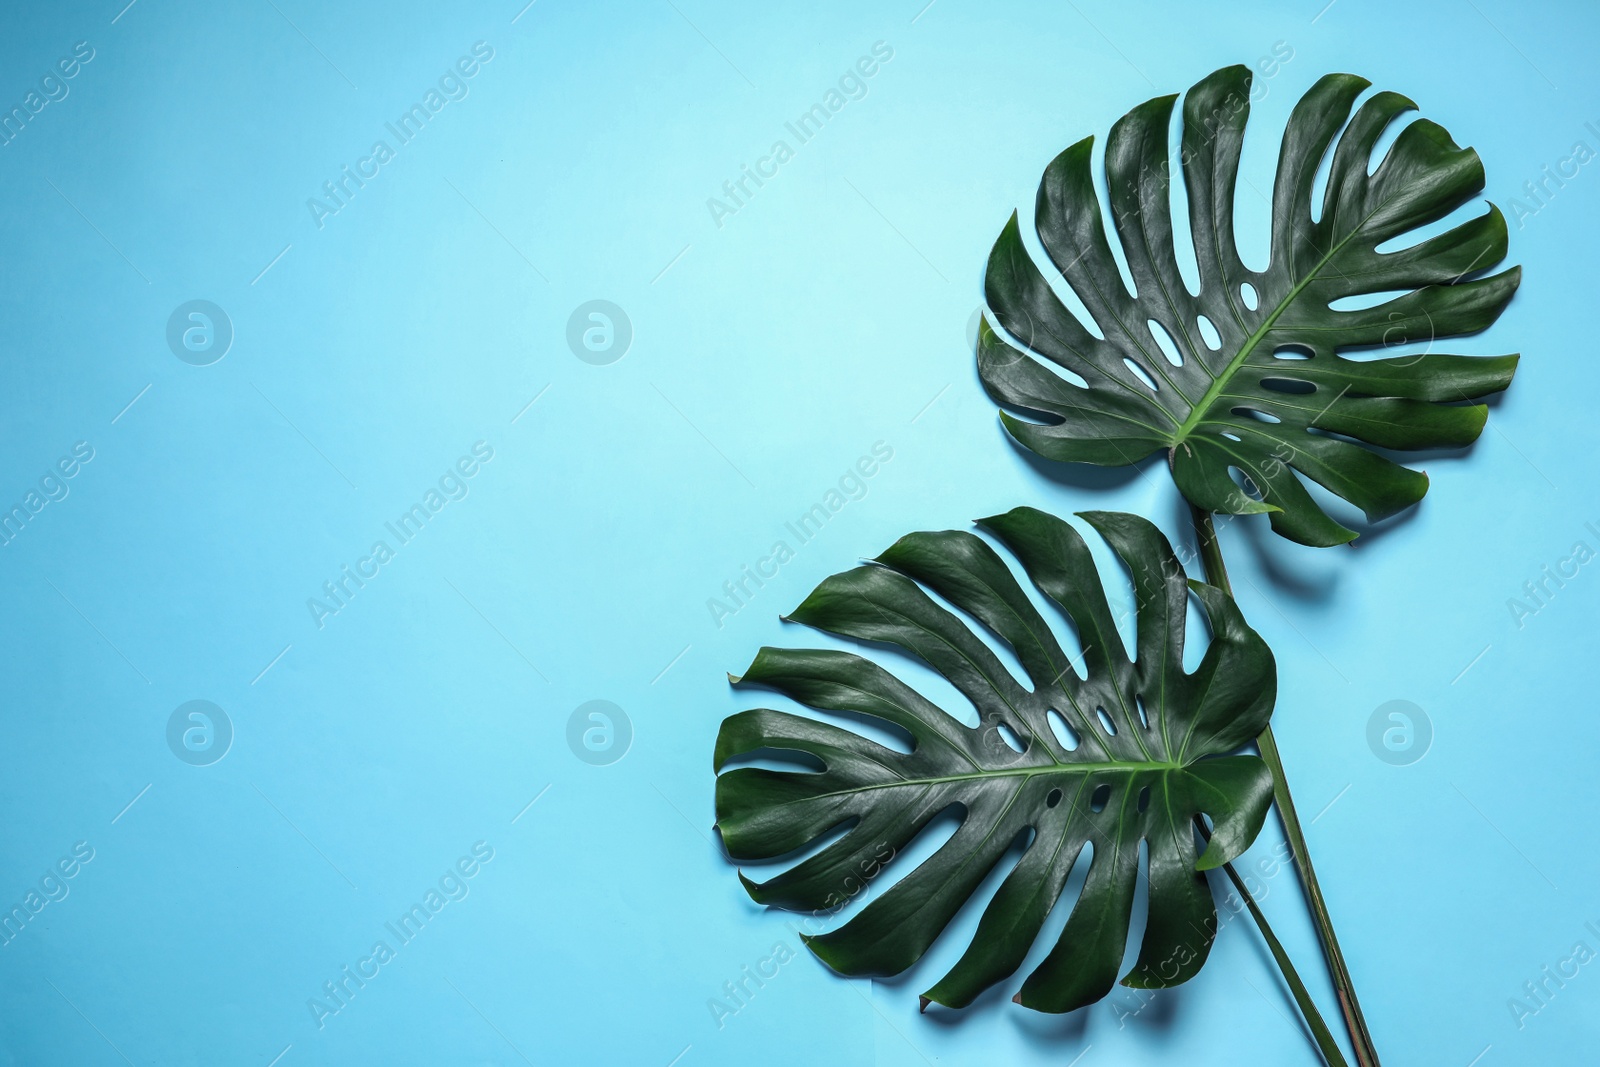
1308 1007
1349 1006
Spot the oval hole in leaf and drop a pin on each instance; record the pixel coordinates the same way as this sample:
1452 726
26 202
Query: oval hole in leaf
933 837
1292 352
1391 133
999 649
1408 239
1101 797
1194 615
1053 799
1010 736
1144 716
1105 721
1065 734
1232 436
1319 184
1144 799
777 759
1209 333
830 836
1178 206
1119 255
1363 301
1022 344
1260 416
1069 297
938 690
1288 385
887 734
1140 373
1247 293
1164 341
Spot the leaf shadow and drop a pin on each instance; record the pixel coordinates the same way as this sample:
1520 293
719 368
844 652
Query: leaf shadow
1374 532
1371 533
1274 555
1084 476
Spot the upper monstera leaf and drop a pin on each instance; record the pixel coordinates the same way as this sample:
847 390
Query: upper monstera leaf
1131 749
1255 380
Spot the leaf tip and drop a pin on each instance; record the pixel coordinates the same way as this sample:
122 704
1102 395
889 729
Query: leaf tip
1217 853
1480 413
987 522
922 1004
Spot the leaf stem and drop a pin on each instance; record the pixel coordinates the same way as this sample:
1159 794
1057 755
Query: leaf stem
1349 1006
1308 1007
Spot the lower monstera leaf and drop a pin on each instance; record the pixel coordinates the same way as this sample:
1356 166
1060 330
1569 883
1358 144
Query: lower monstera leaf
1132 749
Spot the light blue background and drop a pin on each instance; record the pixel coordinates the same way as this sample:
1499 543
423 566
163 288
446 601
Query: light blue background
830 313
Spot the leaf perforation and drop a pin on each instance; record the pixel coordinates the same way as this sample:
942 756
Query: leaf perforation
1049 792
1375 192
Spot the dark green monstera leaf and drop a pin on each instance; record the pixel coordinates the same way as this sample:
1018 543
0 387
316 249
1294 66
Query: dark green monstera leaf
1255 381
1139 748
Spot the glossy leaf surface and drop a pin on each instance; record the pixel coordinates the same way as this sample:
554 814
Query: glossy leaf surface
1140 747
1249 383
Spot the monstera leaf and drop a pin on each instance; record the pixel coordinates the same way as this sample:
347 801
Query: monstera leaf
1254 380
1130 750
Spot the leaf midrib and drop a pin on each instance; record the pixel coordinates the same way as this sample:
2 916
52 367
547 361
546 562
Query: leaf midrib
1064 769
1197 413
